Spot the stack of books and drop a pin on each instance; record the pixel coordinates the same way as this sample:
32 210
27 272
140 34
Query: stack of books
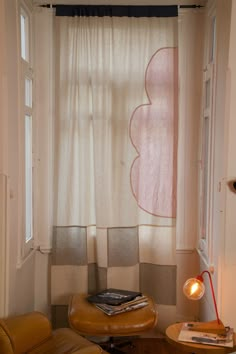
187 334
116 301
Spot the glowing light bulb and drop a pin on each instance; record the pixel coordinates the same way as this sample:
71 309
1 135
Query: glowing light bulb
194 289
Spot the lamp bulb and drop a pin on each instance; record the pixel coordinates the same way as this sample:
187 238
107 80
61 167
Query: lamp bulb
194 289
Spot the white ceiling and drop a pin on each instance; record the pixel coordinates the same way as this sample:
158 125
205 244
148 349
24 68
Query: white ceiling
119 2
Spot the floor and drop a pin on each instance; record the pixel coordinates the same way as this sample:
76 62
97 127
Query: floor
147 346
152 342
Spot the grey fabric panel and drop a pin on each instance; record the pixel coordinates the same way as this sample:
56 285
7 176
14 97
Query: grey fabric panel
59 316
67 256
92 278
123 247
69 246
163 285
97 278
102 278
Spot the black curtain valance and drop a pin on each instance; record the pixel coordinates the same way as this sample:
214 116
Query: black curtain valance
116 10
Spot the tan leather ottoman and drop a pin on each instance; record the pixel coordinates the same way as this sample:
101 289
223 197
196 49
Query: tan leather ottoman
88 320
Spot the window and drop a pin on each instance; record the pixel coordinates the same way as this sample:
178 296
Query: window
27 126
207 143
24 31
28 92
212 41
28 179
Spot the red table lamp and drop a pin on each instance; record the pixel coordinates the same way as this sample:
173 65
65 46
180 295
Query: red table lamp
194 289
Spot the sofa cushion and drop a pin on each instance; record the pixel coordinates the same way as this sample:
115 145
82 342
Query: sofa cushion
25 331
65 340
5 343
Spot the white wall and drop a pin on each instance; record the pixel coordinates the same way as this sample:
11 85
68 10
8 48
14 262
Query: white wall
224 200
3 161
18 279
27 286
223 10
228 276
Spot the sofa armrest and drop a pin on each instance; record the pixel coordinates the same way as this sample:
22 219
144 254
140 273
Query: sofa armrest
5 343
24 331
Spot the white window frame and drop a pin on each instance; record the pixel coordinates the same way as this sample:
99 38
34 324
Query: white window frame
26 89
207 143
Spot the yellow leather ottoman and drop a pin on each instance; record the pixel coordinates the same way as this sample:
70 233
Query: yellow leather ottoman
86 319
32 333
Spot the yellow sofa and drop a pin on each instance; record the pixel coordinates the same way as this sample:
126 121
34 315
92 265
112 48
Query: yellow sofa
32 333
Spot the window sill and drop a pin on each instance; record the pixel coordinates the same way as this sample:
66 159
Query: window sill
25 259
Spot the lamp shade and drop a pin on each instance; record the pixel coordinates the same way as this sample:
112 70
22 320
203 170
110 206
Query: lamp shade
194 289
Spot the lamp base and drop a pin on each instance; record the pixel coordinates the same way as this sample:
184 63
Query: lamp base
209 327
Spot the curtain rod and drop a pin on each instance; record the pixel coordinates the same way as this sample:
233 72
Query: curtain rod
190 6
119 10
116 10
180 6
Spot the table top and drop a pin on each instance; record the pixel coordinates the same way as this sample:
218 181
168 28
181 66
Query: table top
172 333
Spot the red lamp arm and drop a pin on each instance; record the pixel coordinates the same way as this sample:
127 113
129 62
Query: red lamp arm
200 277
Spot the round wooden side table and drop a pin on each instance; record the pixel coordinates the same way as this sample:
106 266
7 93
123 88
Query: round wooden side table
172 333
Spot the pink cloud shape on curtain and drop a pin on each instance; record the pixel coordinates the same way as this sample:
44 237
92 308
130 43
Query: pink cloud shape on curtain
153 132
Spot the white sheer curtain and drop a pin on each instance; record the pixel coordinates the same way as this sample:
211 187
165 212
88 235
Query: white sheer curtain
115 156
101 81
89 249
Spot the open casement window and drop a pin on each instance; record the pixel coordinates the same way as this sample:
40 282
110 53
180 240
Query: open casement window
27 127
207 144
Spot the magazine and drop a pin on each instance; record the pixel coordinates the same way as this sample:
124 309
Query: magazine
187 335
113 296
111 310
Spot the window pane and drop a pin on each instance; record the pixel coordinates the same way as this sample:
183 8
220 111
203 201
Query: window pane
24 34
212 40
23 43
28 178
28 92
205 171
207 93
